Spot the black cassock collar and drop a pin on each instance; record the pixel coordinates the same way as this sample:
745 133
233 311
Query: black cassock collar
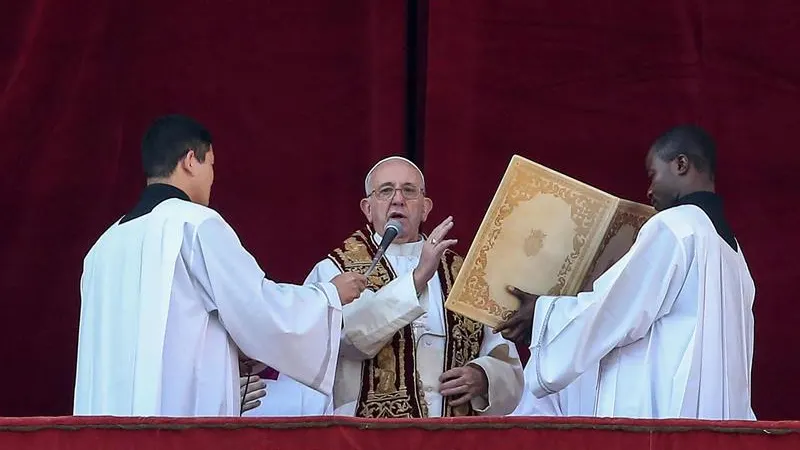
711 204
151 197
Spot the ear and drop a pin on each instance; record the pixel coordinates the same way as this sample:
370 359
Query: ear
681 165
366 208
188 162
427 206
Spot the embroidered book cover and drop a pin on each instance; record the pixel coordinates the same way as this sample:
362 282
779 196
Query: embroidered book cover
545 233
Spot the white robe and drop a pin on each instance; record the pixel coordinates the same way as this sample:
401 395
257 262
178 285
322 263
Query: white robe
168 301
578 399
670 324
372 320
286 397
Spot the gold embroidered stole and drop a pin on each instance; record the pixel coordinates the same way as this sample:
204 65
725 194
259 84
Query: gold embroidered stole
390 383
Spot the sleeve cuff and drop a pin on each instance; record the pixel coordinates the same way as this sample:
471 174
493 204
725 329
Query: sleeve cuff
422 296
482 403
541 316
332 294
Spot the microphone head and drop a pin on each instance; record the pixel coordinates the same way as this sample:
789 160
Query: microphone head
395 225
390 231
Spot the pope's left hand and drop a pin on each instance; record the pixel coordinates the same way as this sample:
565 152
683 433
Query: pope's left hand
464 383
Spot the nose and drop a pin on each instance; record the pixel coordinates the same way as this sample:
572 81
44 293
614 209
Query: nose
397 197
650 193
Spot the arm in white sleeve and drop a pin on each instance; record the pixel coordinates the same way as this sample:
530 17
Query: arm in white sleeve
571 334
294 329
372 319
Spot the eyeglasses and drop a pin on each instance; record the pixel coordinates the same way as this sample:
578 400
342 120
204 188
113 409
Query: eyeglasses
386 193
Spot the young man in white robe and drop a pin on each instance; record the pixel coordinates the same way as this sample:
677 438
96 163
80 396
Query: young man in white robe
671 323
171 301
402 354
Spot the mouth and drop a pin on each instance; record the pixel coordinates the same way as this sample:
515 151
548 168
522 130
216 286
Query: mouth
397 215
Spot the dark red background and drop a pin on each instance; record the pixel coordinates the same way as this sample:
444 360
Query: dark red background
303 96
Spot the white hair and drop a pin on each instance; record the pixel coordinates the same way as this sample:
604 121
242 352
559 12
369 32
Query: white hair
368 178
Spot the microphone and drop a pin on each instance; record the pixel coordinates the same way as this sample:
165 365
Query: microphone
392 229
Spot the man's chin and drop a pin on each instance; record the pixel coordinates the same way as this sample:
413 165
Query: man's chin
661 206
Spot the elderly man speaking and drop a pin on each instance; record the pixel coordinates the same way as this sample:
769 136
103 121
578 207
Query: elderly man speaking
402 353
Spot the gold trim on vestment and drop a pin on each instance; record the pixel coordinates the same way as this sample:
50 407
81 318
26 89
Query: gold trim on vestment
390 383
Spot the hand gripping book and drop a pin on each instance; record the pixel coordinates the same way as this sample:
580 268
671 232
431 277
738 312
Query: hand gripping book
545 233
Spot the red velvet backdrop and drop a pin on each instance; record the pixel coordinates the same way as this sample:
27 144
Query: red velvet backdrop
303 96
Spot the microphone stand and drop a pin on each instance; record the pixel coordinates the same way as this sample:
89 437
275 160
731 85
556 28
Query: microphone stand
246 386
375 260
396 228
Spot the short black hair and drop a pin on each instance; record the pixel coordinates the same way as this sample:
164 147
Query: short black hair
692 141
168 140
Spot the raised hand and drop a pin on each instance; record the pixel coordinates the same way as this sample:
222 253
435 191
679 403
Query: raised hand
432 251
350 285
518 327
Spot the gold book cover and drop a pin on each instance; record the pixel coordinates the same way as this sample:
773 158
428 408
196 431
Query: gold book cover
545 233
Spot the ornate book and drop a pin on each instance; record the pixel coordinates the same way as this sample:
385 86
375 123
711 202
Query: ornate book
545 233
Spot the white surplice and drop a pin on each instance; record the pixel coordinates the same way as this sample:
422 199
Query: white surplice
670 324
372 320
169 299
286 397
578 399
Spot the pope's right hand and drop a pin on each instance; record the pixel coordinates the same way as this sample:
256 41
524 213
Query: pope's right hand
432 250
350 286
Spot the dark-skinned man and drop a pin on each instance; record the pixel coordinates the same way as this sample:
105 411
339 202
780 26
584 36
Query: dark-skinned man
671 323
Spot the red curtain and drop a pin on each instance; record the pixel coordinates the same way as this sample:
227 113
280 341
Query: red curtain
303 96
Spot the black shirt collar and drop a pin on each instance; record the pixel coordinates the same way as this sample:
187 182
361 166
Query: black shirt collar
152 195
711 204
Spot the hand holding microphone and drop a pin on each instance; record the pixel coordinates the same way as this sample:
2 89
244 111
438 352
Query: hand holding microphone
351 284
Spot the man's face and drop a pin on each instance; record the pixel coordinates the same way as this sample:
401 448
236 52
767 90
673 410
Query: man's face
664 188
393 182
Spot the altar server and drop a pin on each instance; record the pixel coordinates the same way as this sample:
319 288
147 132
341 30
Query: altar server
671 323
170 300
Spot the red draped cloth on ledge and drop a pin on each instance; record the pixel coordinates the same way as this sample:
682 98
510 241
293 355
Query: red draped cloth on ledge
72 433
